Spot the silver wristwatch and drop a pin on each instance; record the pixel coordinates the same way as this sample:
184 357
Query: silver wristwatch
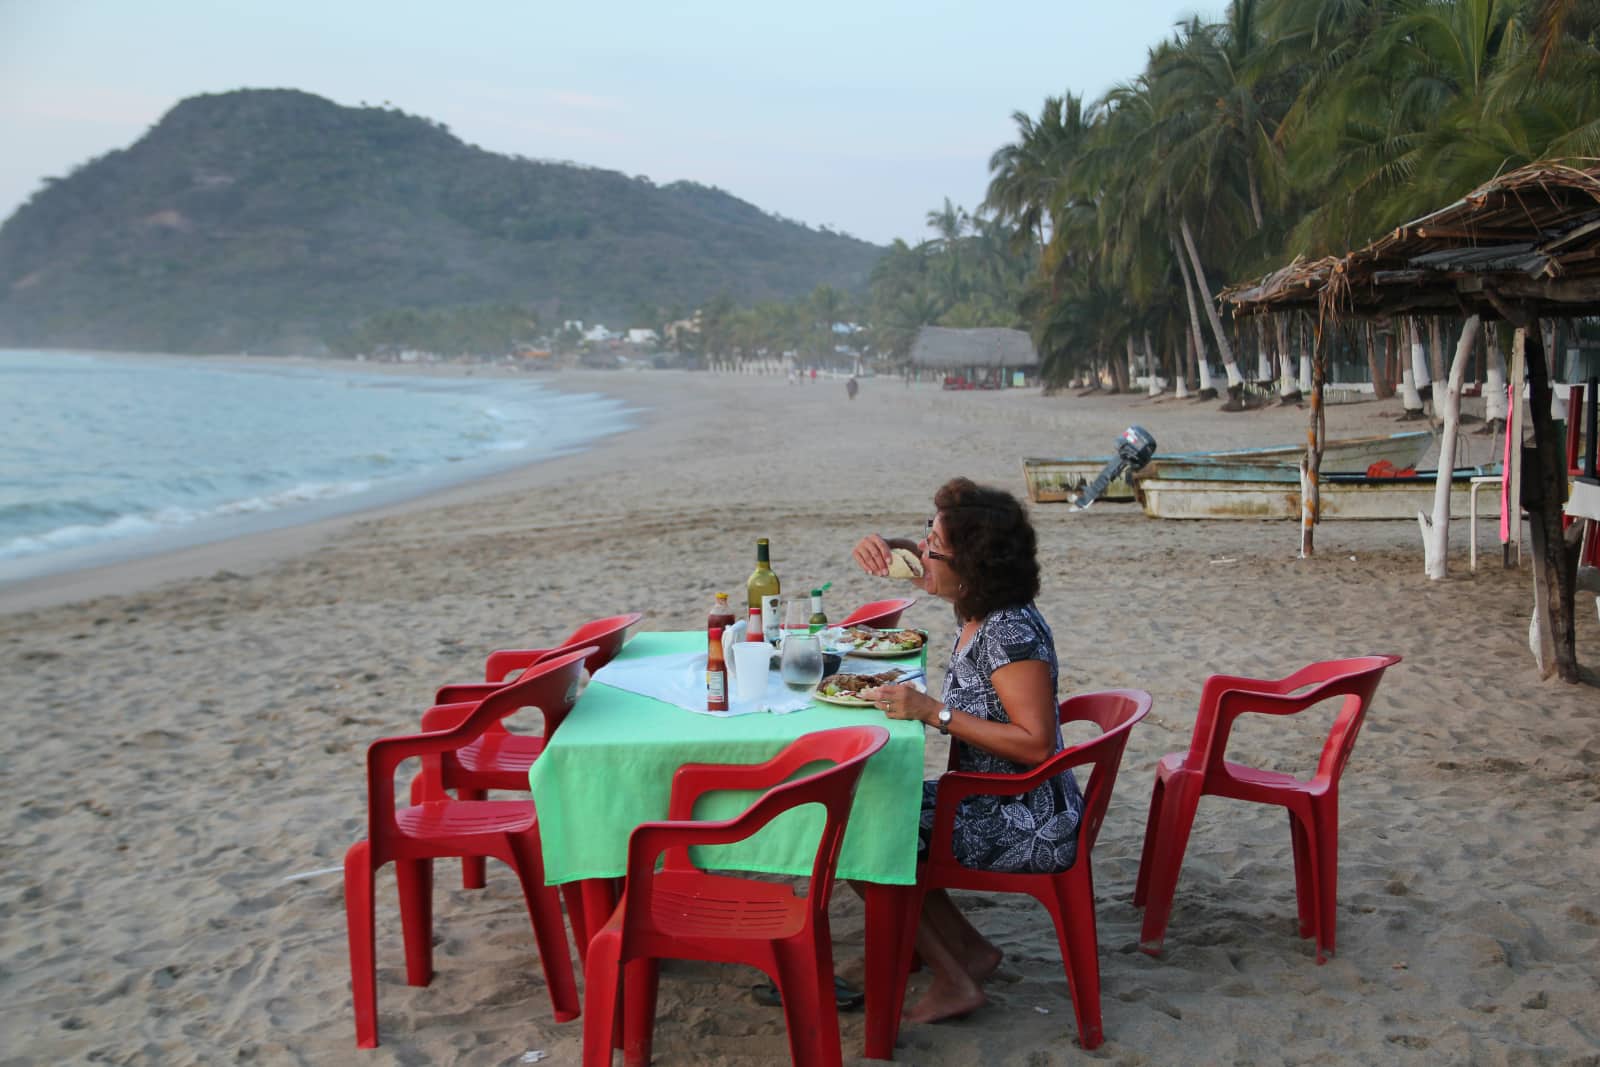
944 719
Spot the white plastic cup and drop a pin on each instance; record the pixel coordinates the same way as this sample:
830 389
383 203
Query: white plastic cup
751 663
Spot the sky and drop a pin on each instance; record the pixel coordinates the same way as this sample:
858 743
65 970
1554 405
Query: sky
859 116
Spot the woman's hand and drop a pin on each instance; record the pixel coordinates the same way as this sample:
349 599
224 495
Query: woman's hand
872 555
904 702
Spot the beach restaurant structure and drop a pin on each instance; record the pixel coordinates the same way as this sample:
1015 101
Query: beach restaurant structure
984 357
1523 248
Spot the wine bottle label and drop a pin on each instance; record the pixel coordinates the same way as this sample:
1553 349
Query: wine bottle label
769 617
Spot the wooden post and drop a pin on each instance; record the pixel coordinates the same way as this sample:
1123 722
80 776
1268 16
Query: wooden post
1511 486
1555 570
1310 496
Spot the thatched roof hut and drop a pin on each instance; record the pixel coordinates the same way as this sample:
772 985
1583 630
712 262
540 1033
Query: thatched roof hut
1520 248
1529 238
942 348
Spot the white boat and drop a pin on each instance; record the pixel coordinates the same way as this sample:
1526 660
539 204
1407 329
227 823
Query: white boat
1342 496
1054 480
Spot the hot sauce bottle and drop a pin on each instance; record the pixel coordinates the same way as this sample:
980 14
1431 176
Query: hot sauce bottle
716 672
721 613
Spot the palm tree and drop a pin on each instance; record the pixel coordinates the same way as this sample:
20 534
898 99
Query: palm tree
1026 176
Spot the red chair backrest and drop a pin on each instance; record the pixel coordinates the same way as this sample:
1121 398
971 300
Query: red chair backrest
1116 712
607 635
1224 698
845 750
551 685
882 613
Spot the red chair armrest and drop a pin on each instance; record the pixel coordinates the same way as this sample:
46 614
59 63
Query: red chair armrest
503 661
694 780
446 715
956 786
462 691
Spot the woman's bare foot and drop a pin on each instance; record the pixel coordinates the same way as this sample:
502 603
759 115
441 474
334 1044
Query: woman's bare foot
941 1002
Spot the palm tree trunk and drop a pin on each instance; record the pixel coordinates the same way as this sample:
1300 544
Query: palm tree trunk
1235 379
1494 387
1154 385
1197 338
1436 531
1409 396
1175 366
1189 369
1436 362
1383 368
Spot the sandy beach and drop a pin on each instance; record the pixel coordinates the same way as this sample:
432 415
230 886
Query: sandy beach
186 753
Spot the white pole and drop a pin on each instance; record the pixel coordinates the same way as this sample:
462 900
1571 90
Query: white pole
1436 532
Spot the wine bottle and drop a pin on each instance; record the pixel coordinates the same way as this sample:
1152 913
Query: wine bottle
818 619
762 596
716 672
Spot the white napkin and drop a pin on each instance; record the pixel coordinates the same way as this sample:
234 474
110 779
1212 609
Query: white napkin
680 679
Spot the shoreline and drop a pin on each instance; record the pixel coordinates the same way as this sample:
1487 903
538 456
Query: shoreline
120 568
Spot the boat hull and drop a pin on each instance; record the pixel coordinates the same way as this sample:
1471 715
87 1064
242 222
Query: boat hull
1355 498
1058 480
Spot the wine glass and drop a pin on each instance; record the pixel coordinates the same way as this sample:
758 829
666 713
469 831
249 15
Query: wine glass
796 615
800 663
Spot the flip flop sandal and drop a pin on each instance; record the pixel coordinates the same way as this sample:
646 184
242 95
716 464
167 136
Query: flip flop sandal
847 996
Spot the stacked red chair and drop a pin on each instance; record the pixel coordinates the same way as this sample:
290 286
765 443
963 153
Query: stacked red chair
681 912
1067 895
1182 778
436 826
500 759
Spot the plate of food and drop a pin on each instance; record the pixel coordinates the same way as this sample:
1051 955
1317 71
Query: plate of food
873 643
845 689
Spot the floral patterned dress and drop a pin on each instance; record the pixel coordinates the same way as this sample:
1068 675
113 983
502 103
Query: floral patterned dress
1035 832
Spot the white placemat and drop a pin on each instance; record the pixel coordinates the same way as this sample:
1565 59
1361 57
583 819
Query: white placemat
680 679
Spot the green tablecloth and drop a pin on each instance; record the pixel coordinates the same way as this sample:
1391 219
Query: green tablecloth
610 765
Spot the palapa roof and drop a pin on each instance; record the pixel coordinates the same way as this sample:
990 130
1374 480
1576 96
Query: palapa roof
951 349
1529 238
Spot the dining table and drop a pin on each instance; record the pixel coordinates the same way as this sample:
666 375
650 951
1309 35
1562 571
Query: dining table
610 767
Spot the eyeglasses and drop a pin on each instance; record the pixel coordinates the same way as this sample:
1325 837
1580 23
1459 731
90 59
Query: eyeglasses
929 552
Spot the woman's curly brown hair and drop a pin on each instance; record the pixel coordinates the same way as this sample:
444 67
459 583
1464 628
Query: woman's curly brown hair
993 545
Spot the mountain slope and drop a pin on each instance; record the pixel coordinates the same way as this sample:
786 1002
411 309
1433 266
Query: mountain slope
273 220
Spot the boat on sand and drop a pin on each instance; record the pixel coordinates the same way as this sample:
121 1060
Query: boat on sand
1053 480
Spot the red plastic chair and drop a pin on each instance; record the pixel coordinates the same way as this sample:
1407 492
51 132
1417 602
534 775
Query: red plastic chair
437 826
500 759
680 912
883 614
1183 778
1068 895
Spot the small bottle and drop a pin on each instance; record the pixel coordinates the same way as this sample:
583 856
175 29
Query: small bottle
716 672
721 613
818 619
762 596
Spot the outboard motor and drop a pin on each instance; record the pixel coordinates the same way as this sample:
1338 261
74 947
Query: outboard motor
1135 447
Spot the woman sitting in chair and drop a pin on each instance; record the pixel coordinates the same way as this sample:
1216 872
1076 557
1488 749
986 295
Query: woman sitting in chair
999 708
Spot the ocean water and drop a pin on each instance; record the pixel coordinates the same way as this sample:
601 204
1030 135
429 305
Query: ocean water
105 457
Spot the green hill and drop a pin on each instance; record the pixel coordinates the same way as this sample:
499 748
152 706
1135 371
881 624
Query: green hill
275 220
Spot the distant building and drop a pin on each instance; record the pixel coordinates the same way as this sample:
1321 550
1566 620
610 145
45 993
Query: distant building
643 337
987 355
598 332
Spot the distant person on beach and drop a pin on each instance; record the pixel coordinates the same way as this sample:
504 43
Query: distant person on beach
851 387
813 376
998 707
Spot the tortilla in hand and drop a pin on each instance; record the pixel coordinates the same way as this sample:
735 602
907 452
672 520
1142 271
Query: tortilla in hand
904 563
